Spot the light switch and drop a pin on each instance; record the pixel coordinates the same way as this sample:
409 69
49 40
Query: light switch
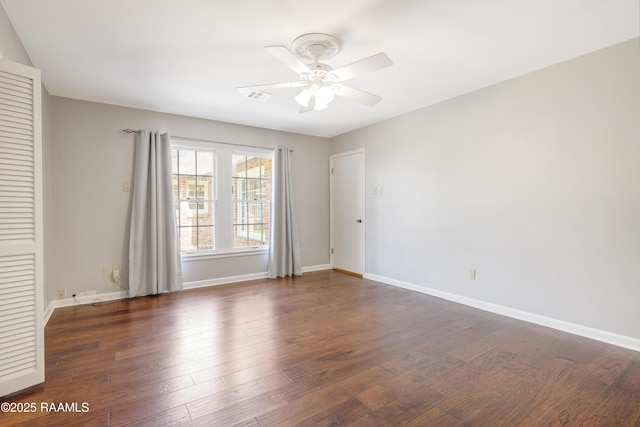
126 186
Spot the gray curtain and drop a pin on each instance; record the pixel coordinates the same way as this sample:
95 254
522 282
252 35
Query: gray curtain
154 250
284 250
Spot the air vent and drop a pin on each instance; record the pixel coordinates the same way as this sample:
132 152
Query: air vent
257 95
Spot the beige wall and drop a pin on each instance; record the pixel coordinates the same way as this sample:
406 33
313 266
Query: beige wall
86 162
534 182
10 44
12 50
91 160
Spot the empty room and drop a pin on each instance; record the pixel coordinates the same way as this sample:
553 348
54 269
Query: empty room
295 213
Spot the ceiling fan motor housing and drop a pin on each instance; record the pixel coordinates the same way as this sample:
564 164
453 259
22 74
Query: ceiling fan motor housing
316 46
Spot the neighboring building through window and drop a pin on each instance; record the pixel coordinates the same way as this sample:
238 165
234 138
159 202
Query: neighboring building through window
211 218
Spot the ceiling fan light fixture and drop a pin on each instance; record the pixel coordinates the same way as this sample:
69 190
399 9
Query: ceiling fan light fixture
322 96
303 97
325 95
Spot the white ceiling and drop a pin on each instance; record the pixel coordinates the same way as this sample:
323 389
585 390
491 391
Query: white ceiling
187 57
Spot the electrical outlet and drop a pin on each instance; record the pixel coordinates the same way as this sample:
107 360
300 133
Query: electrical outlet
115 273
62 294
472 274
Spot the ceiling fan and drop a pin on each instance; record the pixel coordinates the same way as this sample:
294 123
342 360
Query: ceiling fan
321 82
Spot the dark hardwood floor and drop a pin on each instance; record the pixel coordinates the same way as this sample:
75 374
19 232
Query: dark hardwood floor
324 349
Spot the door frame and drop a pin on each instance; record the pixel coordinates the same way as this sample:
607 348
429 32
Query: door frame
361 152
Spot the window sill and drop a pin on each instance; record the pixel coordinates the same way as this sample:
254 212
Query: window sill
187 257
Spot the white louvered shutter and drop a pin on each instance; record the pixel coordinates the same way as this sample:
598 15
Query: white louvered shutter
21 249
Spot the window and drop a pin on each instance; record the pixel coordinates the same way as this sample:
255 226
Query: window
193 192
251 200
210 217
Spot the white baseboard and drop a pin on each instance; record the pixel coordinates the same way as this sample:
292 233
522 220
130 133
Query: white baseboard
316 268
68 302
244 278
88 299
223 280
572 328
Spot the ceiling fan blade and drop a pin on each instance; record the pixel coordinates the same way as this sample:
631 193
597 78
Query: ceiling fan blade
268 87
356 95
288 58
363 66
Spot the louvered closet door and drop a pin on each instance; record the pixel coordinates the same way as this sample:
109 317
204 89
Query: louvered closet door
21 251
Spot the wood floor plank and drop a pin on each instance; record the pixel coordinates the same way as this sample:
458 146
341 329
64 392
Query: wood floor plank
305 407
177 416
610 364
228 397
322 349
408 406
240 411
517 403
630 379
342 414
616 408
434 417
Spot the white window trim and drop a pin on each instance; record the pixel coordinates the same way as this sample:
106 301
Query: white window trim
240 252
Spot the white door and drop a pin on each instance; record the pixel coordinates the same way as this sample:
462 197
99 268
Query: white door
347 212
21 249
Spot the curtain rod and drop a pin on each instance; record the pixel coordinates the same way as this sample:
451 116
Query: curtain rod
184 138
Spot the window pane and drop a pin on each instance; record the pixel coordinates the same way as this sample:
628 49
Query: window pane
205 163
174 160
253 189
174 178
239 188
187 162
205 238
240 213
241 238
187 187
187 214
266 189
267 165
254 213
188 239
252 193
265 234
204 188
256 239
205 213
239 165
254 167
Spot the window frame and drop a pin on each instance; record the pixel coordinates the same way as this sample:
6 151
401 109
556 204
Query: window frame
261 202
224 229
195 200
